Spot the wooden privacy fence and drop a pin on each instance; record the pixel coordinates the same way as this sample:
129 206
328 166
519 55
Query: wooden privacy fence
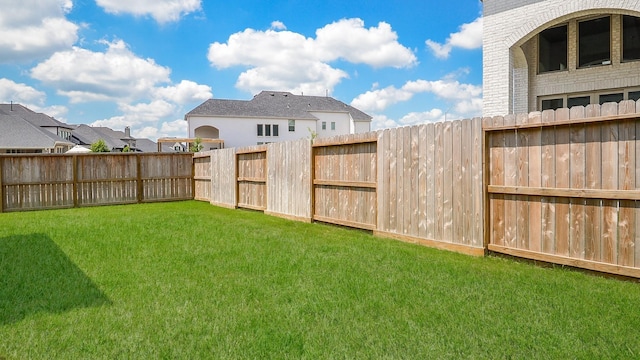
420 184
563 186
43 181
344 180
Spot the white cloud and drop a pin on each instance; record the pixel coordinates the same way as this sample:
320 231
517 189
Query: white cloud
141 88
278 25
348 39
185 92
286 60
31 29
20 93
448 89
468 37
176 128
162 11
116 74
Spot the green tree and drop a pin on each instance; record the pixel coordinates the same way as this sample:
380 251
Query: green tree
197 145
99 146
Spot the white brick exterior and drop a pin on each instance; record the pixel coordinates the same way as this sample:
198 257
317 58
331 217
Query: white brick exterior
510 80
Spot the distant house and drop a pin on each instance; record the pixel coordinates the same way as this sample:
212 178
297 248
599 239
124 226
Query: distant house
40 120
25 131
273 116
116 141
548 54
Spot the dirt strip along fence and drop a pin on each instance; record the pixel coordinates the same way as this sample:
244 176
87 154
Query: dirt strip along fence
46 181
563 186
419 184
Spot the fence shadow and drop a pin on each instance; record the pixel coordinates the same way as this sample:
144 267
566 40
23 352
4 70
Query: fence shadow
37 276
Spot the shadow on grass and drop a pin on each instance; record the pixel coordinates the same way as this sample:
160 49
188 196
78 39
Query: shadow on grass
37 276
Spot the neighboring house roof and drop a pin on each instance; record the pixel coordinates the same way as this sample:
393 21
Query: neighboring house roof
146 145
277 104
37 119
87 135
17 133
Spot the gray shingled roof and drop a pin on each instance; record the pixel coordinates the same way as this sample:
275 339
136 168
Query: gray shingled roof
17 133
87 135
277 104
37 119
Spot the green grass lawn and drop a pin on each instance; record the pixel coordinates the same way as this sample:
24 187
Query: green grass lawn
190 280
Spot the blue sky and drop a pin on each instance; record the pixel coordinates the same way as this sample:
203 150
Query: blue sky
145 63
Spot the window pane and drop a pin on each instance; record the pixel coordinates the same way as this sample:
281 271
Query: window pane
275 130
594 44
552 54
267 130
333 125
260 130
630 38
552 104
611 98
292 125
578 101
634 95
324 125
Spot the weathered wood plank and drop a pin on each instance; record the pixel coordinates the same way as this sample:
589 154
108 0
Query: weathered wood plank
627 181
548 180
535 180
457 182
422 181
509 179
609 140
496 201
522 180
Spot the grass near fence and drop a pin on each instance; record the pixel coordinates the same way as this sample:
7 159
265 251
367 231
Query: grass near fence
189 280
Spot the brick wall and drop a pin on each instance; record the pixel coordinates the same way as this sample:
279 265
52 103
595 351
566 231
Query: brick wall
510 27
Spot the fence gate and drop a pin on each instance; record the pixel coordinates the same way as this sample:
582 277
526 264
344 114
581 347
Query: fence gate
252 177
344 181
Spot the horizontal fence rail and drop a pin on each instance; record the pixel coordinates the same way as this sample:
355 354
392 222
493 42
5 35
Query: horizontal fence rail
45 181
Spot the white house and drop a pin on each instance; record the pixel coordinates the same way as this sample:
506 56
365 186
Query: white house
273 116
547 54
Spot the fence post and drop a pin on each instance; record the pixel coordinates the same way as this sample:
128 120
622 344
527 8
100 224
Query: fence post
140 185
74 185
1 186
193 176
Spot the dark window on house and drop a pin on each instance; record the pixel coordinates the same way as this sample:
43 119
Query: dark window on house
552 104
275 129
267 130
324 125
552 49
594 42
634 95
611 98
292 125
578 101
630 38
260 133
